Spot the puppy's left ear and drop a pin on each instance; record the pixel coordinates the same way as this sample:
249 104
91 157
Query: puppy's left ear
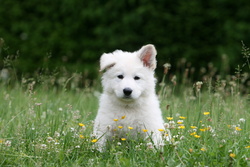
147 55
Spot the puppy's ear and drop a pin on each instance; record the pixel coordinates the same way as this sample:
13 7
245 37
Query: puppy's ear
107 60
147 55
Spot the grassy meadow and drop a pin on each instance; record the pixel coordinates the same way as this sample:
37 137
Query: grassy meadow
48 121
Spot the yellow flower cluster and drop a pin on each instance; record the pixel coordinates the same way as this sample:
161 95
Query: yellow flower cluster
205 129
195 135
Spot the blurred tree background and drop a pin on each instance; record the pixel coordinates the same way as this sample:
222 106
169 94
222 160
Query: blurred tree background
74 33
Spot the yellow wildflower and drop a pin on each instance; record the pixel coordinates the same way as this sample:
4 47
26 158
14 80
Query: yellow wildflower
123 117
2 141
232 155
190 150
80 124
170 118
203 130
208 128
197 136
194 133
120 127
193 127
247 147
94 140
116 120
161 130
123 139
182 117
81 136
206 113
182 127
130 127
180 122
203 149
144 130
238 128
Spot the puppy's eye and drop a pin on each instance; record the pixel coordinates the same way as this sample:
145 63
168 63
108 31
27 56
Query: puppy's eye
136 78
120 76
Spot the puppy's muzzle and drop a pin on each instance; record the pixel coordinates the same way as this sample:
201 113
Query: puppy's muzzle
127 92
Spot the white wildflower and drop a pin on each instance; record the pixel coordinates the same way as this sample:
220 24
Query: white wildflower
109 127
8 143
49 139
242 120
166 125
93 135
176 136
167 65
223 141
57 134
192 98
38 104
43 146
150 145
182 137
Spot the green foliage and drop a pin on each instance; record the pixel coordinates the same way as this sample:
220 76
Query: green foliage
75 33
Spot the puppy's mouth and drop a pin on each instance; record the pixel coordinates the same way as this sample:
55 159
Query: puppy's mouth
127 98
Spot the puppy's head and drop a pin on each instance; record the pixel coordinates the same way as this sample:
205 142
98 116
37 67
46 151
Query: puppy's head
127 75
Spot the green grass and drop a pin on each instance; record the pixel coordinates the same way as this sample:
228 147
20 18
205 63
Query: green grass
47 120
39 126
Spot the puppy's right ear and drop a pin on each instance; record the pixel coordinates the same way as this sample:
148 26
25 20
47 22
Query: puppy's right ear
107 61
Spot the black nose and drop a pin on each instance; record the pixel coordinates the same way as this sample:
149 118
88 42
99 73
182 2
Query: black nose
127 91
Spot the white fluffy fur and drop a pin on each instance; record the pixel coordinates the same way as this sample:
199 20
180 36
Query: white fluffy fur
140 108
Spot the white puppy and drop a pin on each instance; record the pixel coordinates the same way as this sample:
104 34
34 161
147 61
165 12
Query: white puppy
129 107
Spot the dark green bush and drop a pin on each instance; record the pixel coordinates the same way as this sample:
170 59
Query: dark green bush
74 33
